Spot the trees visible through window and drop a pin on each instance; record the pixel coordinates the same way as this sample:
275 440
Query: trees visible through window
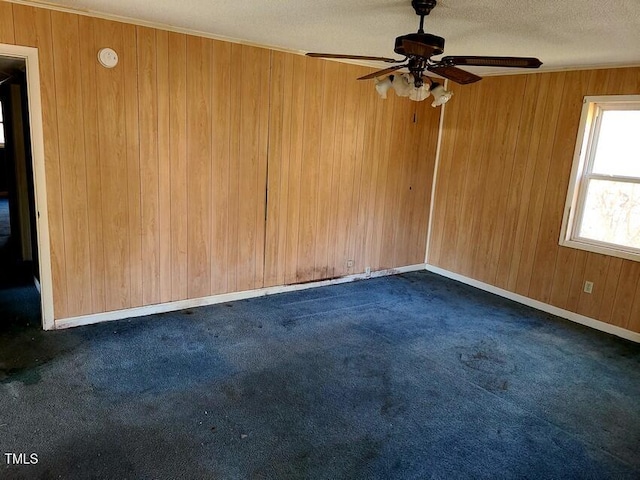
603 205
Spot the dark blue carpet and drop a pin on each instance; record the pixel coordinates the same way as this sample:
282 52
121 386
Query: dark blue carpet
411 376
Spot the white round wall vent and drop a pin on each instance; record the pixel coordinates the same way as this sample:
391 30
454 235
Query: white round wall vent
108 58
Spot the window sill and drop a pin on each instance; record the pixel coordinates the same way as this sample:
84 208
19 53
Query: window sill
600 248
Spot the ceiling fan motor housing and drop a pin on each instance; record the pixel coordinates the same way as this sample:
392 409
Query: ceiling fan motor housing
419 48
432 41
423 7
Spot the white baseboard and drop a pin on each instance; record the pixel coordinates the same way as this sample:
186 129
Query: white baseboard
226 297
545 307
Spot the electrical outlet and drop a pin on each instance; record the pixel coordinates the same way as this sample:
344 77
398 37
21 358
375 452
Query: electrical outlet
588 287
367 271
349 263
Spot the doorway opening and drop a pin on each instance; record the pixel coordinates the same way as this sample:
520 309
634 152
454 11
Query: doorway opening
26 298
19 272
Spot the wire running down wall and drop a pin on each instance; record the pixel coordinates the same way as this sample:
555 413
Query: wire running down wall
157 170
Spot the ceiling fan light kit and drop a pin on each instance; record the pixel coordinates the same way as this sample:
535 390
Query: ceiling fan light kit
418 49
383 86
404 86
440 95
420 93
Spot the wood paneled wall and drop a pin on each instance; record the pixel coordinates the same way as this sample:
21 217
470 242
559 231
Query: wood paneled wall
157 170
349 174
507 150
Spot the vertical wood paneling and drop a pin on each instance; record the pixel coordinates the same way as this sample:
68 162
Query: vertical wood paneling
609 290
330 84
262 75
277 179
539 152
178 164
456 180
370 242
367 188
221 106
235 139
633 323
473 178
113 157
73 173
7 34
149 172
132 170
247 169
577 280
562 274
199 57
525 153
92 151
334 228
164 164
400 136
310 154
539 155
442 201
510 238
351 174
422 179
360 198
344 215
626 296
357 230
523 205
486 160
293 123
487 245
545 259
251 166
595 271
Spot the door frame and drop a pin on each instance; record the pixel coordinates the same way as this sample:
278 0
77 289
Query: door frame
30 56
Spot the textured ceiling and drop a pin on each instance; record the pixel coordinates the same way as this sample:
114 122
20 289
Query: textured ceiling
565 34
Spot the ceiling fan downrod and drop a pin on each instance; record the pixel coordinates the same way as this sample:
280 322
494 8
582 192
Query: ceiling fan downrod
418 50
423 8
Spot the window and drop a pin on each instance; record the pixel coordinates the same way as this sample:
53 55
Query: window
1 127
602 213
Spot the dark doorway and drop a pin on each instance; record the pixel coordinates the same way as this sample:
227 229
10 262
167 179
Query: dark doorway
19 276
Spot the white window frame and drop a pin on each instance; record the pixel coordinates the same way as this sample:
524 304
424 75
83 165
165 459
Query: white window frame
580 174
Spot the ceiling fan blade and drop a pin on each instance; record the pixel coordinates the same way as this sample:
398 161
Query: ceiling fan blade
454 74
381 73
353 57
512 62
418 49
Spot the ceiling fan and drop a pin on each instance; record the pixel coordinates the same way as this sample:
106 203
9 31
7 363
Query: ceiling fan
419 48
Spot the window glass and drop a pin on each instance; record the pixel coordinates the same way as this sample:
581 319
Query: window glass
612 213
618 144
602 211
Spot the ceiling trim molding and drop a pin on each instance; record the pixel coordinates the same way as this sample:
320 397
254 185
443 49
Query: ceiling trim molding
144 23
187 31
